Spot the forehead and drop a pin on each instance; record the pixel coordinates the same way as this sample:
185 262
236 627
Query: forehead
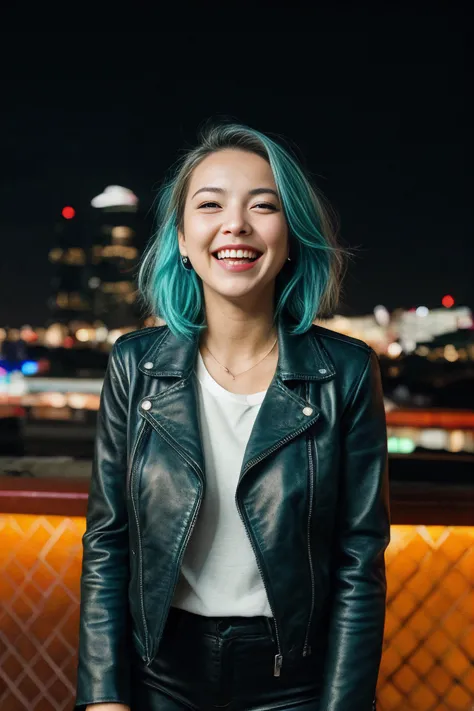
232 168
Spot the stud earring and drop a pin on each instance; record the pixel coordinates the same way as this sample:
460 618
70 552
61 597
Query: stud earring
186 263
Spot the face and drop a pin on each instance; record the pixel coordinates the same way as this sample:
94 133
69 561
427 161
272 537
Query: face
232 201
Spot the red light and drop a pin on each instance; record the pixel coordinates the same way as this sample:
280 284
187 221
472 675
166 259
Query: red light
68 213
447 301
68 342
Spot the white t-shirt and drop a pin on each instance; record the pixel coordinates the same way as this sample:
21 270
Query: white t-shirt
219 575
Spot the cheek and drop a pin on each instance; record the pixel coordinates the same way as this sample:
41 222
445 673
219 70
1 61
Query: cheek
198 228
276 235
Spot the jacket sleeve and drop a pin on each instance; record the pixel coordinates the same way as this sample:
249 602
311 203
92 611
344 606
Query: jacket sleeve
362 535
103 666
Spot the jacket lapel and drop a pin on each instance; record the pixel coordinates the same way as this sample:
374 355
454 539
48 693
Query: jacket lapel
284 413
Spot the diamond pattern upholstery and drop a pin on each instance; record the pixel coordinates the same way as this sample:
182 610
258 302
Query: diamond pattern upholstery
428 659
40 559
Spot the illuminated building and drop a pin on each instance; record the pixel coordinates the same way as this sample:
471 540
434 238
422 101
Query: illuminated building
69 300
114 257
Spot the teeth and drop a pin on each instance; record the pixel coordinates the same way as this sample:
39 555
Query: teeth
236 254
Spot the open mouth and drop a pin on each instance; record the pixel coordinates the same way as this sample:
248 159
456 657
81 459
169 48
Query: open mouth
239 256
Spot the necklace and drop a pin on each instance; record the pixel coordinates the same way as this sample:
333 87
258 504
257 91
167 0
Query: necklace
244 371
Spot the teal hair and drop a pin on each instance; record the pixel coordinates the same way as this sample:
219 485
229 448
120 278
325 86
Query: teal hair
307 288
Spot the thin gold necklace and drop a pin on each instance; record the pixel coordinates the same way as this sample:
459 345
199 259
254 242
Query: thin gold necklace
244 371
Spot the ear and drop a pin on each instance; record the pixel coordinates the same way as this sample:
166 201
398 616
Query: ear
182 243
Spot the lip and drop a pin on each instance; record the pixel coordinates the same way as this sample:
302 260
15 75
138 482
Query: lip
237 267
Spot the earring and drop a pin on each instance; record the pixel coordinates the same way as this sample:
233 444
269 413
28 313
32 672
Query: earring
186 263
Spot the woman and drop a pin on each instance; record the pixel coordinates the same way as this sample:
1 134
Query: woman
238 511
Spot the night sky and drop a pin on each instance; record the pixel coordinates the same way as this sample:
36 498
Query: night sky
376 102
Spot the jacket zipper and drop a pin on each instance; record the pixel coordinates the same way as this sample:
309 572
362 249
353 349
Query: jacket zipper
278 659
307 647
188 535
140 558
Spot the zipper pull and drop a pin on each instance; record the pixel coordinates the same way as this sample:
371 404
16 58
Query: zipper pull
307 650
278 664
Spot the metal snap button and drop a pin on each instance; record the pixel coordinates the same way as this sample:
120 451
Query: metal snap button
146 404
321 370
148 365
307 411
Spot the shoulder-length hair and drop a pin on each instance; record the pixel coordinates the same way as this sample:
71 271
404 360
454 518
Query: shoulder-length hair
307 288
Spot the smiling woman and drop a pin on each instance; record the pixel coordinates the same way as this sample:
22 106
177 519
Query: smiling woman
238 511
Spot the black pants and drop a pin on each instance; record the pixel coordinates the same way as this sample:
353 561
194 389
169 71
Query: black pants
210 663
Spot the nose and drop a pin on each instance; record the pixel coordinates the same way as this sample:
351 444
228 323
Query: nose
235 223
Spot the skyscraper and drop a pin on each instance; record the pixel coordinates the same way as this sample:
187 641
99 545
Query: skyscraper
114 256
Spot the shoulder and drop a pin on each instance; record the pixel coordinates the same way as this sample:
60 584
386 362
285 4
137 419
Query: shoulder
341 347
133 346
351 357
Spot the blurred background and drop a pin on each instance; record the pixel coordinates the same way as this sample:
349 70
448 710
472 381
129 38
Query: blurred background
377 104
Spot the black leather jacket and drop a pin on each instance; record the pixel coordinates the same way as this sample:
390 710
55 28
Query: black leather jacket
312 495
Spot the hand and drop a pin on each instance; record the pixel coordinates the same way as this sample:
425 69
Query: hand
107 707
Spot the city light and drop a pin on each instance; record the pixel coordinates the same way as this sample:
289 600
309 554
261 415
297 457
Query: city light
57 400
77 401
27 334
400 445
68 212
450 353
422 311
115 196
122 232
29 367
101 334
394 349
82 335
447 301
381 315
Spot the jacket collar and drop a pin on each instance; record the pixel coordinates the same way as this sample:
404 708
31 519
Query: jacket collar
173 411
300 357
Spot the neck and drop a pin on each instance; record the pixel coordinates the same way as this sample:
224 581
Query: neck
236 337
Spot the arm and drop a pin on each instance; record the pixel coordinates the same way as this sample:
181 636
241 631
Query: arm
103 668
362 534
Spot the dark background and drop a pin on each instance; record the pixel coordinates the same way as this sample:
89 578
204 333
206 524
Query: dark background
376 102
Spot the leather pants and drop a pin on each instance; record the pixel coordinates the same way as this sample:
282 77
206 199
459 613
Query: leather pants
226 663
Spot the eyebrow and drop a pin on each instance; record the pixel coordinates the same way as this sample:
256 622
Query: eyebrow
255 191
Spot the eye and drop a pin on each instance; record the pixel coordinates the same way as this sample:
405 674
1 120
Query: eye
209 204
264 205
267 206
